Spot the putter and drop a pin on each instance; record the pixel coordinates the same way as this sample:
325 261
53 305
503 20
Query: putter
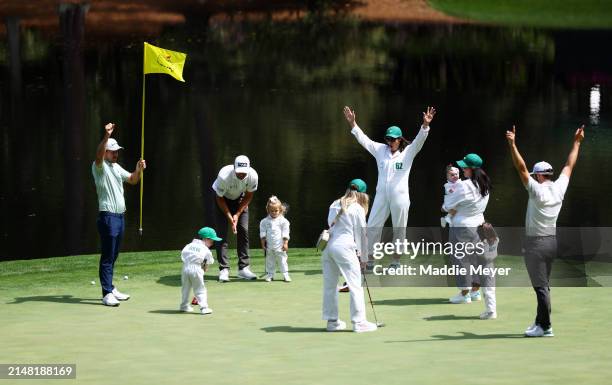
378 324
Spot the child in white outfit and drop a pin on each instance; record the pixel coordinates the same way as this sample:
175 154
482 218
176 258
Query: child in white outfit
196 257
490 239
452 178
274 234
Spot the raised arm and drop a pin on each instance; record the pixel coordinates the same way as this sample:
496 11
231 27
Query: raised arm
517 159
419 140
101 150
573 155
367 143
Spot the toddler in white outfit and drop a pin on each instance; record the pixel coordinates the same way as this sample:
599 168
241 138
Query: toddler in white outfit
196 257
274 234
452 178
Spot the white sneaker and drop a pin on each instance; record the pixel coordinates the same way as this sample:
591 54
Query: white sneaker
394 264
488 315
334 326
187 309
110 300
537 331
475 295
120 296
224 275
268 277
364 326
460 298
205 310
443 222
286 277
246 273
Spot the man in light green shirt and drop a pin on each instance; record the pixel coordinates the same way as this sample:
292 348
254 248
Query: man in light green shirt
109 177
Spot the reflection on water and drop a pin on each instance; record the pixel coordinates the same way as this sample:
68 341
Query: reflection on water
275 91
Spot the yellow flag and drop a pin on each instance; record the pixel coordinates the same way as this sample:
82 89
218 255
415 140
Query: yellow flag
162 61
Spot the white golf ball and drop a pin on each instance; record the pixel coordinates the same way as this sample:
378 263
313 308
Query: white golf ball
125 277
93 282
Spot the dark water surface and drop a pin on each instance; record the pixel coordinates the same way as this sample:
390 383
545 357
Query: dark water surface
275 91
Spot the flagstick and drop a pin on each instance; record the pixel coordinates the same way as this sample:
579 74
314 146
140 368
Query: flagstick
142 142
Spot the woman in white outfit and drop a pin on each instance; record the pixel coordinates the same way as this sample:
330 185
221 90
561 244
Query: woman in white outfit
346 254
468 203
394 160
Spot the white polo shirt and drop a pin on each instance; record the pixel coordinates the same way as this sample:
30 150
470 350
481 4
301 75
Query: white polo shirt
196 253
228 185
544 205
109 178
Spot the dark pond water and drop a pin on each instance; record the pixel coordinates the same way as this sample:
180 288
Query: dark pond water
275 91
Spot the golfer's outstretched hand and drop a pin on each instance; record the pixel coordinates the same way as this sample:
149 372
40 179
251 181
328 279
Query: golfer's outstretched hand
109 128
350 116
511 135
579 135
428 116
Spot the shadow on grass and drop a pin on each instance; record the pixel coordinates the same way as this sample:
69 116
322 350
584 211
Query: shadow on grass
174 312
175 280
291 329
58 299
412 301
450 317
465 336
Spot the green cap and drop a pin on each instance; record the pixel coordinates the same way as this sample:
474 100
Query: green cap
393 132
470 161
359 185
207 232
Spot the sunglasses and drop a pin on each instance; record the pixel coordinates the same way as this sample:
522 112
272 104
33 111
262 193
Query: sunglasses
390 139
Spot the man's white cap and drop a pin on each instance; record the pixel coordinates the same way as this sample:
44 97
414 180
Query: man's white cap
242 164
112 145
542 168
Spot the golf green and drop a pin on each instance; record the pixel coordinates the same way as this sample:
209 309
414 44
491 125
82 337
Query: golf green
263 332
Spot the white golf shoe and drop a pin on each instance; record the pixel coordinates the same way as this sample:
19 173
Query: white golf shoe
186 309
110 300
268 277
246 273
364 326
206 310
120 296
286 277
475 295
537 331
460 298
224 275
335 326
488 315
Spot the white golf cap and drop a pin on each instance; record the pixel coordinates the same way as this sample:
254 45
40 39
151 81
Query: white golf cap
542 168
112 145
242 164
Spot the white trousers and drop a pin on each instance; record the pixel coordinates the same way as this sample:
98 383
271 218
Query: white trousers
192 277
398 206
489 298
272 256
337 260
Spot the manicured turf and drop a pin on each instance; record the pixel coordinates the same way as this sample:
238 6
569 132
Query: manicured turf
262 333
583 14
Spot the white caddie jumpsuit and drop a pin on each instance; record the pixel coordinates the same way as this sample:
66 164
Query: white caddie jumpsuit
347 240
275 231
392 188
192 274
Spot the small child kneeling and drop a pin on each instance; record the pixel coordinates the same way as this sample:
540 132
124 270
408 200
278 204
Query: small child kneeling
196 257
